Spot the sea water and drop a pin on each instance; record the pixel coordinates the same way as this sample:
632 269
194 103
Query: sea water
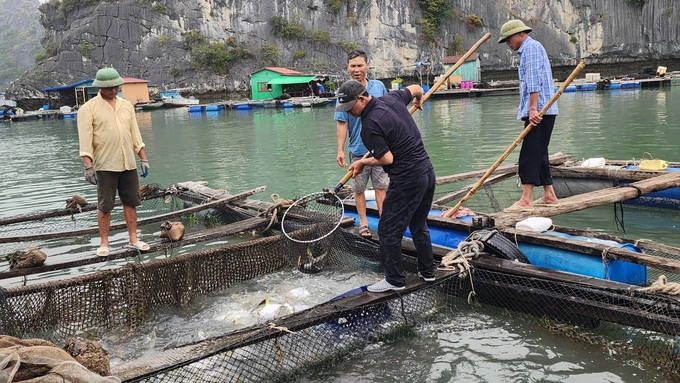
293 151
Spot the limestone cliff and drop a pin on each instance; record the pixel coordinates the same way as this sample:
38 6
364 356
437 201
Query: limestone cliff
154 40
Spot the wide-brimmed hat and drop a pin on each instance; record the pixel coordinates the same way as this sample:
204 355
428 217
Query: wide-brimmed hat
348 93
107 78
510 28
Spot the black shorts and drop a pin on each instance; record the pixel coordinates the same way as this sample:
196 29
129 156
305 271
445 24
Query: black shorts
127 185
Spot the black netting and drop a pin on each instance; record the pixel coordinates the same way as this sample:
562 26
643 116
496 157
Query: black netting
626 319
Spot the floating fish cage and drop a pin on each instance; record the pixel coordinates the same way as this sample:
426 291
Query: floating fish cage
290 347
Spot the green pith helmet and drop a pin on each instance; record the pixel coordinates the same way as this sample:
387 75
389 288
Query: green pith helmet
510 28
107 78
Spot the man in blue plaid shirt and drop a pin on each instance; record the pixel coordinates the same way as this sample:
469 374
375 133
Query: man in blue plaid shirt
536 89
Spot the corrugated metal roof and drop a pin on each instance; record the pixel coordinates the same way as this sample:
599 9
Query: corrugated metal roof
454 59
63 87
127 80
291 80
281 71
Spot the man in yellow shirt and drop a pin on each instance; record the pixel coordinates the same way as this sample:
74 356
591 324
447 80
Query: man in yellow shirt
109 139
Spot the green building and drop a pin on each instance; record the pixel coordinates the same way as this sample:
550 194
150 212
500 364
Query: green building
270 82
471 69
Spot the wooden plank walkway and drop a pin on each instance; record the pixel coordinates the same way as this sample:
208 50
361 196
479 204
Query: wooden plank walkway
609 173
592 199
82 259
226 198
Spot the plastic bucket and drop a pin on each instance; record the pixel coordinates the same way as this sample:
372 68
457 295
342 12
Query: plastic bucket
537 224
598 162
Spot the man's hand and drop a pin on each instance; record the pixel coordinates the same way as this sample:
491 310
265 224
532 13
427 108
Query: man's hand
90 175
145 168
340 159
356 168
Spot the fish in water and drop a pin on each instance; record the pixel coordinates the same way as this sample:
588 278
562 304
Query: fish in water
267 310
314 260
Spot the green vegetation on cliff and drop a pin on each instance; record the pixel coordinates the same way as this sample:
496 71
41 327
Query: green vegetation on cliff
20 35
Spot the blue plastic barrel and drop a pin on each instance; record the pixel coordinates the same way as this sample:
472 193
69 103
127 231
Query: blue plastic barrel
212 108
195 109
426 88
287 105
243 107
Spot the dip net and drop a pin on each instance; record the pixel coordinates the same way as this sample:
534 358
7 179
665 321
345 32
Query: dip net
289 348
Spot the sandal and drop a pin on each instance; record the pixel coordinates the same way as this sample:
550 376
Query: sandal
103 251
365 232
141 246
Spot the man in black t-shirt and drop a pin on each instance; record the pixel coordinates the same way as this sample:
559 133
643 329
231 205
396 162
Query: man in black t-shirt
393 139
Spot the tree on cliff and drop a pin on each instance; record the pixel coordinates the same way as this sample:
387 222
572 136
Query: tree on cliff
20 35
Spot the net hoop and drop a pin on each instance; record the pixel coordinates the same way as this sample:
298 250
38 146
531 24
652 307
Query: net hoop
333 215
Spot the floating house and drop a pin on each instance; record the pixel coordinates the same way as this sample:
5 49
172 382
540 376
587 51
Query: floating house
471 69
270 82
134 90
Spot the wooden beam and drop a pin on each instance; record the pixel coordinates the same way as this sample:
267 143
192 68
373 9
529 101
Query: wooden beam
555 159
596 198
145 221
461 192
76 260
603 173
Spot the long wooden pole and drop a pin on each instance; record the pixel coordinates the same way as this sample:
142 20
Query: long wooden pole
426 96
519 139
455 66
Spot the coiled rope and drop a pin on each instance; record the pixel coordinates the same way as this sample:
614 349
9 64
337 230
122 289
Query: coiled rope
663 286
278 204
459 260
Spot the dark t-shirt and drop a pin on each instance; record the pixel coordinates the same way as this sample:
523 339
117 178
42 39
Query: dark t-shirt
387 125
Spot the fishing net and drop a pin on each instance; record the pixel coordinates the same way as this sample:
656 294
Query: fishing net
288 348
309 226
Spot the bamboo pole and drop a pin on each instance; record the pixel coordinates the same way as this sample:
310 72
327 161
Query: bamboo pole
436 86
519 139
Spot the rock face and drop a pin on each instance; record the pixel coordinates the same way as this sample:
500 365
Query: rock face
154 40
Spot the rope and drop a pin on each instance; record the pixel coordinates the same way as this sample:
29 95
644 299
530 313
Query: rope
459 260
273 326
605 257
278 204
663 286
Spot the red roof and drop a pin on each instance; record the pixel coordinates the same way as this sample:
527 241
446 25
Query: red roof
454 59
132 80
281 71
